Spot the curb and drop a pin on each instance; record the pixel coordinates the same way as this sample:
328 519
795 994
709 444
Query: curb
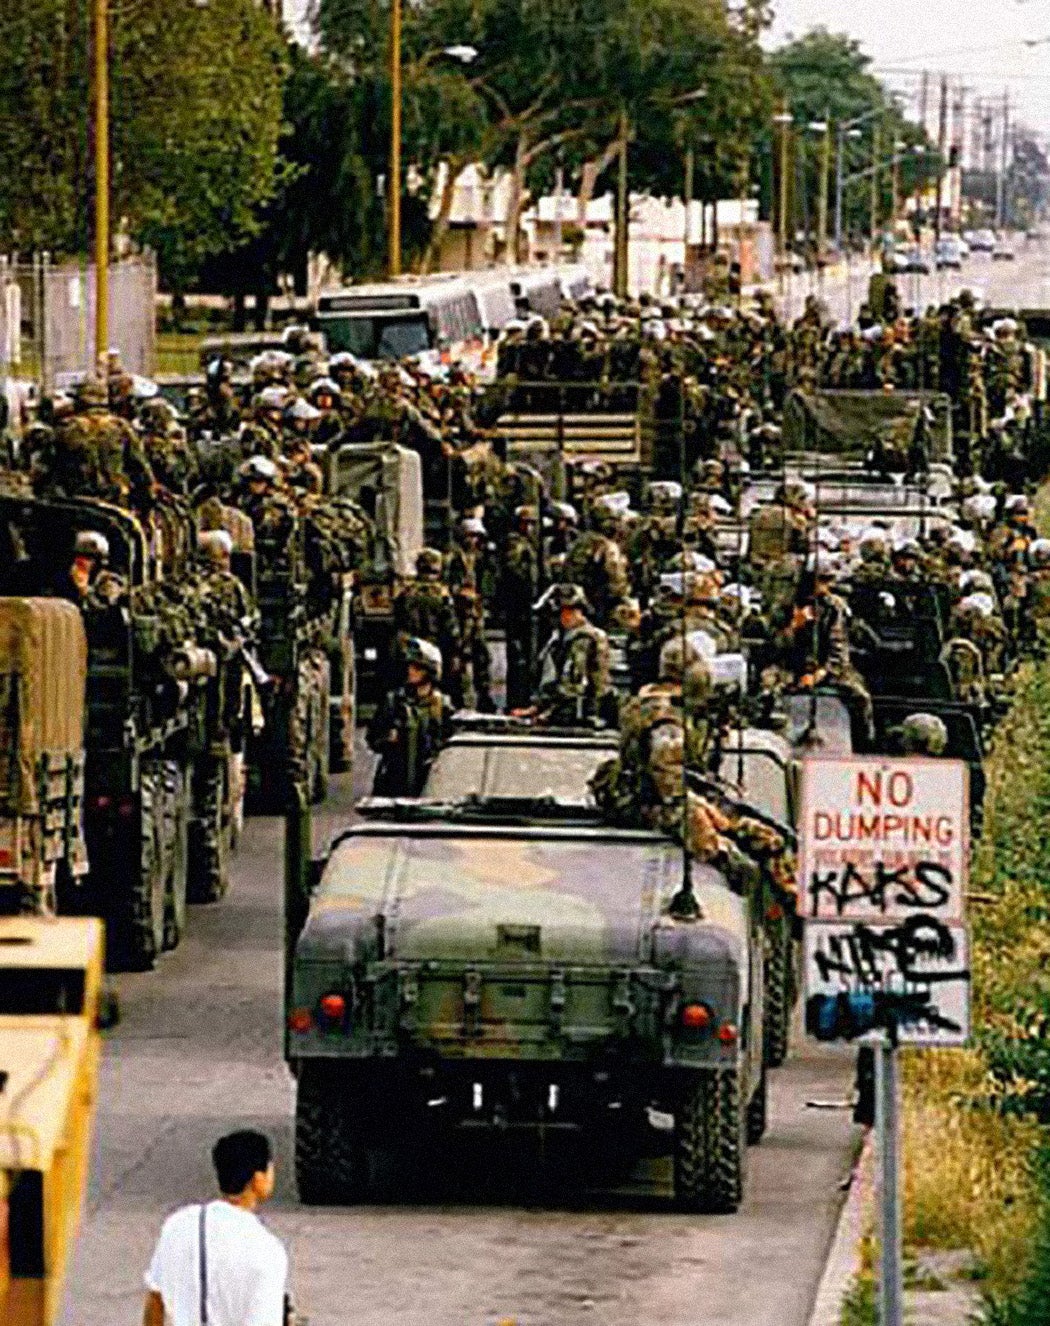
843 1258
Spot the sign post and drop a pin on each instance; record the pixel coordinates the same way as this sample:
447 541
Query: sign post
884 860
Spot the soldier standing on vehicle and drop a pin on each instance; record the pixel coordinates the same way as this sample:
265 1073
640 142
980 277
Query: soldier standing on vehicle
411 725
463 575
574 665
215 1263
519 590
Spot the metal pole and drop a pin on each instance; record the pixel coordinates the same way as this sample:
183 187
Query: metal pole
942 143
888 1125
876 152
394 237
825 184
687 193
839 185
622 220
559 191
785 183
101 72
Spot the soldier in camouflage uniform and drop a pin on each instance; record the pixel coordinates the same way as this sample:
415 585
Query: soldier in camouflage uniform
165 444
654 540
923 734
95 454
88 583
423 609
779 540
519 591
411 725
596 563
574 684
464 572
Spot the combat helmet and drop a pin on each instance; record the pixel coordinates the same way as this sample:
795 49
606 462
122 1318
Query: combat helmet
423 655
924 734
429 563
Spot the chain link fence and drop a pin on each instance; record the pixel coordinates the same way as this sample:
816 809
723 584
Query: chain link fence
47 316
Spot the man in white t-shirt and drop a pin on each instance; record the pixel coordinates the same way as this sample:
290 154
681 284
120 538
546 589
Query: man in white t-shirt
216 1264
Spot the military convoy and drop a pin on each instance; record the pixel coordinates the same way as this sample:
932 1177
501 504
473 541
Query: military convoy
161 720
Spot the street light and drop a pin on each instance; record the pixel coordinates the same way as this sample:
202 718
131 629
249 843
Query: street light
462 52
823 127
849 129
100 101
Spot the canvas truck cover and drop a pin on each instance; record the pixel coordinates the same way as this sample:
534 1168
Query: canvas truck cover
43 675
852 423
387 481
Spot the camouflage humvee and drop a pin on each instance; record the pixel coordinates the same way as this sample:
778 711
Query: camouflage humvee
460 966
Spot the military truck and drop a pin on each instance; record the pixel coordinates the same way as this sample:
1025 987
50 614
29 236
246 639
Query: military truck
305 578
159 792
43 675
385 481
469 965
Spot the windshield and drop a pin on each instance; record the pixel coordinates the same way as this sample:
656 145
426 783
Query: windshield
378 336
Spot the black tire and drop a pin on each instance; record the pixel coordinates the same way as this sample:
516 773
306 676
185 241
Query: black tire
177 873
208 878
136 908
331 1154
758 1111
710 1143
321 737
779 985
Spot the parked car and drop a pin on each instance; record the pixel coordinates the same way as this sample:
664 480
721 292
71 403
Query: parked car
948 254
1002 251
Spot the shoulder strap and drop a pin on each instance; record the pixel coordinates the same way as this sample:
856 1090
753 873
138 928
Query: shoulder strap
203 1266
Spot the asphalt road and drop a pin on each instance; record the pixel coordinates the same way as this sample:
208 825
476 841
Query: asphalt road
500 1238
1023 282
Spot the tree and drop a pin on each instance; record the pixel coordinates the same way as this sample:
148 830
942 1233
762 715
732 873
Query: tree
196 106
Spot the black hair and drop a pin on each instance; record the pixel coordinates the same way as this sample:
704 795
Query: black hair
238 1157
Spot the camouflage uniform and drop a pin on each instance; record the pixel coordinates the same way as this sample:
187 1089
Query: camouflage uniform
407 732
574 682
596 563
519 590
96 454
463 575
423 609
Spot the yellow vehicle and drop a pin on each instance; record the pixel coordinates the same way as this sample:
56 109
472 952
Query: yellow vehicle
50 996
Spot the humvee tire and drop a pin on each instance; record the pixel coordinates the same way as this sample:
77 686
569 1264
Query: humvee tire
136 912
710 1143
758 1111
176 826
331 1154
779 983
209 838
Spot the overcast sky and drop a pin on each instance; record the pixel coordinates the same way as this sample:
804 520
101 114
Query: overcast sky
978 43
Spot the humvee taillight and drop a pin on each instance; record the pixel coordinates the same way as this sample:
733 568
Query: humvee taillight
696 1017
333 1007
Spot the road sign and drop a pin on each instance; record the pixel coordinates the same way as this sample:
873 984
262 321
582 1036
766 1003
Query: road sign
883 839
916 971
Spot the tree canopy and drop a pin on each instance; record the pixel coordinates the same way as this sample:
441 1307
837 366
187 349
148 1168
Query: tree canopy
195 109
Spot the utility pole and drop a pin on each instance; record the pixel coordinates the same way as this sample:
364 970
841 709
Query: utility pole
687 198
620 248
1004 156
942 142
924 97
876 153
784 121
394 188
101 99
825 185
